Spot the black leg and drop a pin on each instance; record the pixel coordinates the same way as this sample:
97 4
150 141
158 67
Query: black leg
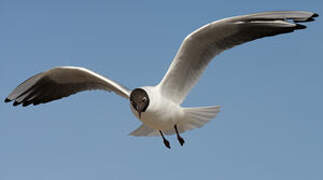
180 139
166 142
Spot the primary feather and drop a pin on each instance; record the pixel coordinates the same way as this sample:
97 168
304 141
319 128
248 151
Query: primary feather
61 82
200 47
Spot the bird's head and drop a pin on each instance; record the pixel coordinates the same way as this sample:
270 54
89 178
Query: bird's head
139 100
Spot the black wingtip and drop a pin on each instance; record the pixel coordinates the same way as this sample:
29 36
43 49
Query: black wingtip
310 19
300 26
15 103
315 15
7 100
26 103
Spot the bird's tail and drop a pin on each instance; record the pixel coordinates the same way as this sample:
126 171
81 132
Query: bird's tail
144 130
198 116
193 118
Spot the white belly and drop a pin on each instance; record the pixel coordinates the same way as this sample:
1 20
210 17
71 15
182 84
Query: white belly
161 117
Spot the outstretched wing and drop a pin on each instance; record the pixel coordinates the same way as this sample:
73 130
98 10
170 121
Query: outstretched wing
199 47
61 82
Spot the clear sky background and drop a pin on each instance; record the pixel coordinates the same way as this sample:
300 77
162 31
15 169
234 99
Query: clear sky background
270 90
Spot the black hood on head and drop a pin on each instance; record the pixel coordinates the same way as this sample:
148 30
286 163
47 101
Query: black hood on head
139 100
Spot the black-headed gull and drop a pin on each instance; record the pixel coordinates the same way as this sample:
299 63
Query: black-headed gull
159 107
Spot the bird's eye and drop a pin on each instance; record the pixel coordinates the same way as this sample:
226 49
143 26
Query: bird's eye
144 99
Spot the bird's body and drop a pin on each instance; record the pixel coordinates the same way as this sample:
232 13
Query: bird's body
161 113
159 107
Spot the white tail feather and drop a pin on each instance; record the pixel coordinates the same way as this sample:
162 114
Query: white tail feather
197 117
144 130
194 118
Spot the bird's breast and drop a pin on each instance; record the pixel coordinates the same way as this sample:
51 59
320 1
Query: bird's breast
160 114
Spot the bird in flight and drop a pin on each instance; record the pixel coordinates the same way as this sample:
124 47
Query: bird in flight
159 107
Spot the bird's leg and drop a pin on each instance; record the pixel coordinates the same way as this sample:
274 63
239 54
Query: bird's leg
180 139
166 142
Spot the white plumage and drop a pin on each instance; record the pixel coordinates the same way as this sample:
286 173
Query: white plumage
159 107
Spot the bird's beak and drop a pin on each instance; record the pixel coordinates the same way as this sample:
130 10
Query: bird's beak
138 109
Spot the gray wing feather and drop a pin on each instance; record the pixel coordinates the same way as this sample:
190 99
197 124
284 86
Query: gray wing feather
61 82
199 47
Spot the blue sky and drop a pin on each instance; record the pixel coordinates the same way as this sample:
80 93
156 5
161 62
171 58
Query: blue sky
270 91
